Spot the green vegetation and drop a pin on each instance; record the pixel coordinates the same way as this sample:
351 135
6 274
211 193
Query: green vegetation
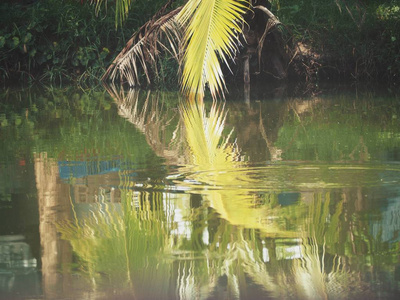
127 246
68 124
370 127
273 224
111 249
346 39
58 41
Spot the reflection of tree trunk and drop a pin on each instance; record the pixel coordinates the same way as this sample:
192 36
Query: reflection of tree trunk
54 205
275 153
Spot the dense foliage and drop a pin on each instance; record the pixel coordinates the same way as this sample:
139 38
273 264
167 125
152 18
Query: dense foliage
351 39
53 40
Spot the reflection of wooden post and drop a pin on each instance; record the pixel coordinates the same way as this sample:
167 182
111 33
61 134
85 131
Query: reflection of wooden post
54 205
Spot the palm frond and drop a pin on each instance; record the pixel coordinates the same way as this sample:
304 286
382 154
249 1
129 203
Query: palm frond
212 27
142 51
121 8
204 134
147 111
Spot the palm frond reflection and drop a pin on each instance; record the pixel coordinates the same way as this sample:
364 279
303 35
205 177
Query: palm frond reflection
217 162
204 135
224 238
116 241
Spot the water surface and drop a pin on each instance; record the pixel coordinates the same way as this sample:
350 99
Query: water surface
110 194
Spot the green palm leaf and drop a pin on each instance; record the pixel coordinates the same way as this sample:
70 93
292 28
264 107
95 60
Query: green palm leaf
121 9
212 28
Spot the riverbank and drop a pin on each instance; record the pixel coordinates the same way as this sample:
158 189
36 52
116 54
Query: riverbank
341 40
66 41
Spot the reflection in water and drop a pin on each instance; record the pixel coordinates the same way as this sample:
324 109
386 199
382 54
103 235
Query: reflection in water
151 118
18 269
229 229
53 199
265 200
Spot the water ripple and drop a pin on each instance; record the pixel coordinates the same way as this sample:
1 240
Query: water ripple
286 176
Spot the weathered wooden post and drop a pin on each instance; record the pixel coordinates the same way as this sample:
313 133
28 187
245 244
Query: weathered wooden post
246 77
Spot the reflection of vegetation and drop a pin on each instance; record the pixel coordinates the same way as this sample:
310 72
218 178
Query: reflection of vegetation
69 124
128 246
155 116
217 163
204 134
293 230
321 224
117 242
318 133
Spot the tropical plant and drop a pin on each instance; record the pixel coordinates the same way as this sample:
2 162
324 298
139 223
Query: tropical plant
144 47
58 41
210 31
120 239
137 240
121 8
211 28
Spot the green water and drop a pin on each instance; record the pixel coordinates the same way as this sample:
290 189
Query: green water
109 194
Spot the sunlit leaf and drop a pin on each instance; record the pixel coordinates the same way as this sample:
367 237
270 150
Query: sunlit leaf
212 27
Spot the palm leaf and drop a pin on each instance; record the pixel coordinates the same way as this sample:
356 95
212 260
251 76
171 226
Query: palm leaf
121 8
204 134
140 54
212 28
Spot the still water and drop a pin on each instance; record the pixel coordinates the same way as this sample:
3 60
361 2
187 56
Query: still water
113 194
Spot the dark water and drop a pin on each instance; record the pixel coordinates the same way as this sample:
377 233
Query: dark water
143 195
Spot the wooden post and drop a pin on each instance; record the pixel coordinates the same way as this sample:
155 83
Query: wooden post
246 69
246 78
